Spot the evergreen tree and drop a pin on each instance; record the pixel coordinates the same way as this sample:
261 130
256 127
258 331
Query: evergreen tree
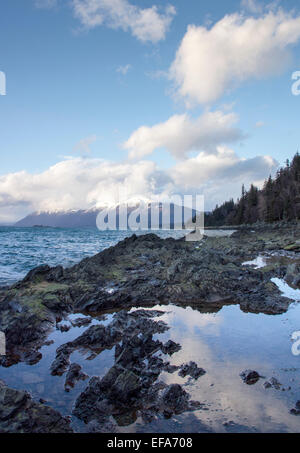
279 199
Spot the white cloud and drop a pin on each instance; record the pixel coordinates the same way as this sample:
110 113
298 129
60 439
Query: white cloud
253 6
180 134
83 146
77 183
223 164
210 61
220 176
45 4
124 69
82 183
145 24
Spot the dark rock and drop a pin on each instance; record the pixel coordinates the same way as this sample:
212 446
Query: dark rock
175 399
131 383
74 374
149 270
148 415
55 274
171 347
109 379
63 327
98 336
294 247
250 377
36 272
106 426
86 404
20 414
191 369
15 306
272 382
57 303
126 386
79 322
32 357
143 270
296 410
62 360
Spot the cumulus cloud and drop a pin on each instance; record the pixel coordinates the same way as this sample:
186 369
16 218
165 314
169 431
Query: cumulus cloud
77 184
181 134
83 183
210 61
220 176
145 24
221 165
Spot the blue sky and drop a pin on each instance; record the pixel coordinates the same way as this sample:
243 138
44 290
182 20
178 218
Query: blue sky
83 77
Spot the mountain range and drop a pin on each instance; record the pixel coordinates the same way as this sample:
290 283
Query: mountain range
87 218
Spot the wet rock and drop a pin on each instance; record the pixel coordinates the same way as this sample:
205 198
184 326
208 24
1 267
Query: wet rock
294 247
171 347
20 414
250 377
74 374
32 357
63 327
131 385
80 322
110 377
107 426
272 382
296 409
149 270
86 404
44 271
148 415
126 386
97 336
62 360
175 399
144 270
24 328
15 306
55 274
57 303
36 272
170 368
191 369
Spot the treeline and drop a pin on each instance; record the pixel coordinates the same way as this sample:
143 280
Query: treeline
279 199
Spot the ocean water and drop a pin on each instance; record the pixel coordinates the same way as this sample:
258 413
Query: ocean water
22 249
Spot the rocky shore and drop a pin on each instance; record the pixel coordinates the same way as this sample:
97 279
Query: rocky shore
141 271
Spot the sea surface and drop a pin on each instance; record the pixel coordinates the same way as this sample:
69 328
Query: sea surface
224 343
22 249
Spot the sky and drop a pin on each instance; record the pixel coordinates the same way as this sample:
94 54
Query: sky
148 98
